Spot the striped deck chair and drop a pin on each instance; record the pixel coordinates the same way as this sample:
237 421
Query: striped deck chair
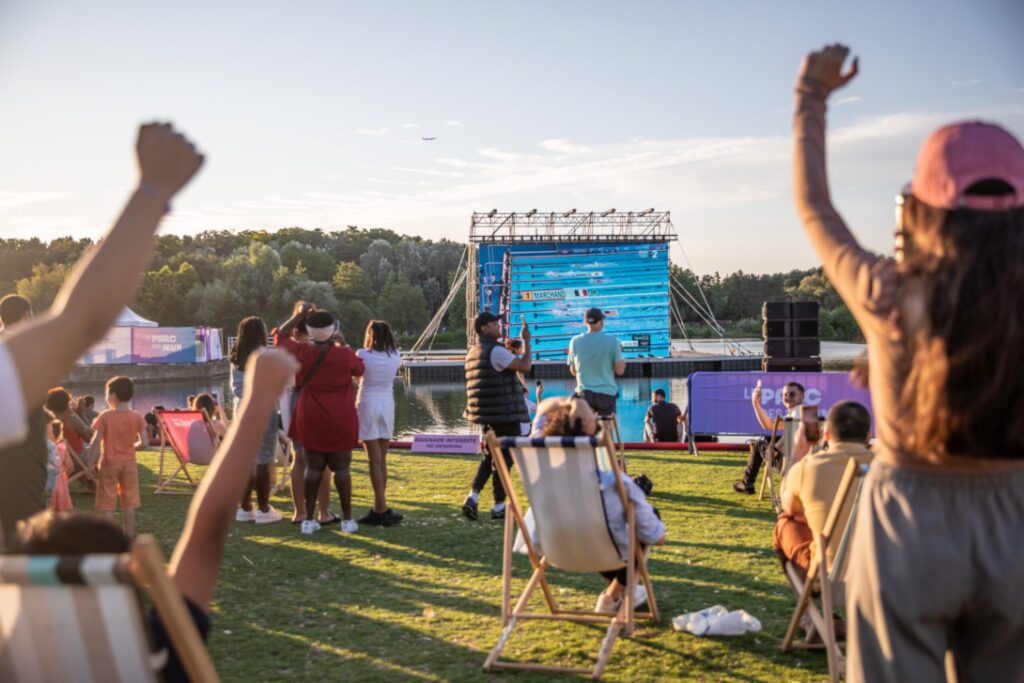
836 537
188 434
561 480
78 618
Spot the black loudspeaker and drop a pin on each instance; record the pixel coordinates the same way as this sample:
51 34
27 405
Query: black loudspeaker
776 310
791 365
790 330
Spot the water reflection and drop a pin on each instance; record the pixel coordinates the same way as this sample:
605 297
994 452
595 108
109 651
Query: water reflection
426 408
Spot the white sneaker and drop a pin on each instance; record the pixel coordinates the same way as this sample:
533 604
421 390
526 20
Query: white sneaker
268 517
245 515
349 526
310 526
606 604
639 595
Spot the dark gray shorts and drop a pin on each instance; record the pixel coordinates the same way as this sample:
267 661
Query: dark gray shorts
602 404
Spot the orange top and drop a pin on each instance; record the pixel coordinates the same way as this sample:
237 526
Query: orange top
118 431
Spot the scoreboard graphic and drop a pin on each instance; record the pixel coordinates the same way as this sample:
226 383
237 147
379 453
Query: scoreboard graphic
552 284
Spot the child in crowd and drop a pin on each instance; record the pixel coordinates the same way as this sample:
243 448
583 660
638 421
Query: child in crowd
121 431
57 467
195 564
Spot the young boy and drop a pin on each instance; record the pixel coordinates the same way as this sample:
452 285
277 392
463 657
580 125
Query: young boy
195 564
121 431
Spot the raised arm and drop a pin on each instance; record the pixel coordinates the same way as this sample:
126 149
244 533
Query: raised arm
195 563
759 412
525 362
105 279
856 273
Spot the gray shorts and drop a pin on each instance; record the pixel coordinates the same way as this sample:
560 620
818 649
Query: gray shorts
937 563
268 447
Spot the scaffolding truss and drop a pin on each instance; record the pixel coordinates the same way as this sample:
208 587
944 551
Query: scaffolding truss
570 226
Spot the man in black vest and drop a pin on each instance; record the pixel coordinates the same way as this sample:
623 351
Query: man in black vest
494 399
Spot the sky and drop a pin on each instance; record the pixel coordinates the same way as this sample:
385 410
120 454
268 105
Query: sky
312 114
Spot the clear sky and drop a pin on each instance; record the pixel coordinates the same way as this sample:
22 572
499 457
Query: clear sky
311 113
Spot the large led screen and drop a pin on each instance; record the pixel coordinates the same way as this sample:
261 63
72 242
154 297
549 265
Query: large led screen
553 284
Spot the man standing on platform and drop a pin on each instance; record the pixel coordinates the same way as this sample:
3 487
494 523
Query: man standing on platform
494 400
595 360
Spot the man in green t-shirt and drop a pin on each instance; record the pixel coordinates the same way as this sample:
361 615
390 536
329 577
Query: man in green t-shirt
595 360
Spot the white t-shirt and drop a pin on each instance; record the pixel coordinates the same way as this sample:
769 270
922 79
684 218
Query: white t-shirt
501 358
381 368
13 415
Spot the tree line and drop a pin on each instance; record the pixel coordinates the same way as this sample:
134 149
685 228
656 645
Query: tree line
215 278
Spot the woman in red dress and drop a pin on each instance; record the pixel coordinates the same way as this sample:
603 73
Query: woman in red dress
325 420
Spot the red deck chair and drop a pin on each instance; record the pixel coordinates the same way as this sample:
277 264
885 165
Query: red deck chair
188 434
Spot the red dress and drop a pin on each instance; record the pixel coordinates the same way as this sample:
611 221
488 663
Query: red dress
325 419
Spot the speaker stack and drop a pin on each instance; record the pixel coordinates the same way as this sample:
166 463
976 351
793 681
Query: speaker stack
791 342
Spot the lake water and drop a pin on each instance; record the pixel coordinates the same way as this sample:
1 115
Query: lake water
437 408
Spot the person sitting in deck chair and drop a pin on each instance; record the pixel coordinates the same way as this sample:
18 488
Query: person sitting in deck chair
195 564
811 484
573 416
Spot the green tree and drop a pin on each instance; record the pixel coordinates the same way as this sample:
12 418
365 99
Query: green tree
42 287
353 315
377 262
251 274
351 282
216 304
319 263
402 305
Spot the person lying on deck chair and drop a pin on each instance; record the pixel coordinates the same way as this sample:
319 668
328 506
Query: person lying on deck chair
195 564
573 416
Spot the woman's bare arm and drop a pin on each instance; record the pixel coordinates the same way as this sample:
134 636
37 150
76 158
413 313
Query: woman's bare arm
195 564
104 280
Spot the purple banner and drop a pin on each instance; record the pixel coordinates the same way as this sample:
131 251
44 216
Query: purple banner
163 345
719 402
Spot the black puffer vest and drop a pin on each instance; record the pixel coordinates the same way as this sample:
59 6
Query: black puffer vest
492 396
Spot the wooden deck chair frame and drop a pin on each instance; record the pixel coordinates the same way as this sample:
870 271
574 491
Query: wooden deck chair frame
767 482
851 484
84 470
511 615
284 475
141 567
164 483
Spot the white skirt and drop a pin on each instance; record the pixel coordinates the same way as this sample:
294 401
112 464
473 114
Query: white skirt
376 416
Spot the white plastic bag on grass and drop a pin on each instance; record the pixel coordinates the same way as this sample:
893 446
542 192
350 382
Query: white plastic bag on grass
717 621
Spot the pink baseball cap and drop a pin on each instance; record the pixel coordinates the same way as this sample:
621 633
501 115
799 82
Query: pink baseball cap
958 155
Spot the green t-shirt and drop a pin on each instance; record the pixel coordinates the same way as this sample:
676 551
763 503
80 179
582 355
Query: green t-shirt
594 354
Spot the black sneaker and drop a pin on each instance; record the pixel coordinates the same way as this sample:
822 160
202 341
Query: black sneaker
469 508
741 487
390 518
498 514
372 518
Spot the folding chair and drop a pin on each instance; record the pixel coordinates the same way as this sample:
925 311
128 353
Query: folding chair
283 459
781 457
835 537
561 478
191 441
81 468
79 618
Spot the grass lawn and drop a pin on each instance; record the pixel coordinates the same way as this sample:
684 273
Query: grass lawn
421 602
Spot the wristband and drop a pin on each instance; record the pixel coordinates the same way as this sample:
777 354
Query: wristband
150 191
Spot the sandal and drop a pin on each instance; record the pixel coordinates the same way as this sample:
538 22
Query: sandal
333 519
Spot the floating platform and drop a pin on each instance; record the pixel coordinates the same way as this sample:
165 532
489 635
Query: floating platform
447 370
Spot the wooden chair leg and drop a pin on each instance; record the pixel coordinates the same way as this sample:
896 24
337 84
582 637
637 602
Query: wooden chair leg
606 649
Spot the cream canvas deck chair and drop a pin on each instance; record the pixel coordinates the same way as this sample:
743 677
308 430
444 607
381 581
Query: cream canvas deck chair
561 480
827 576
780 453
78 618
190 440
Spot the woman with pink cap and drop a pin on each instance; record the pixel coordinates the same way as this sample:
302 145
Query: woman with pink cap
937 561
